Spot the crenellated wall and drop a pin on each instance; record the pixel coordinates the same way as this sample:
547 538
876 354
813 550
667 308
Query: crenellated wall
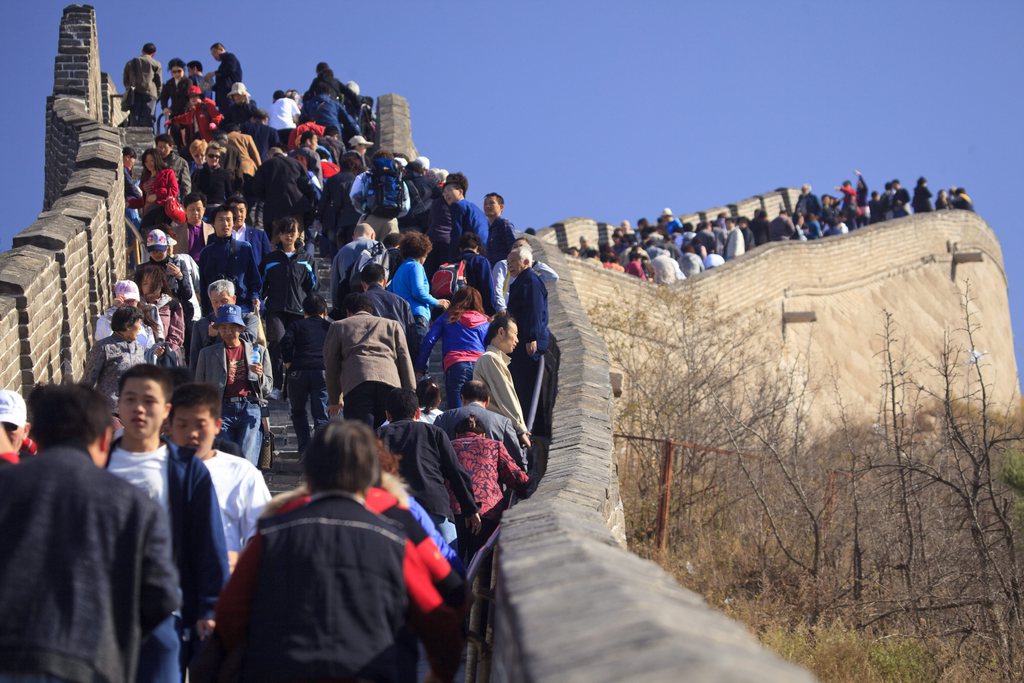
60 272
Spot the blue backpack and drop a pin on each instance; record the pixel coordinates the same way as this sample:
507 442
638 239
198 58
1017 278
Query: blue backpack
386 192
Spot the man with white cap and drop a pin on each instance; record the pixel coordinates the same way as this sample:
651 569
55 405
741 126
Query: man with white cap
14 418
360 145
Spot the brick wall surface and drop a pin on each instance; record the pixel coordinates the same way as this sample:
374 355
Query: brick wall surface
395 126
10 347
32 277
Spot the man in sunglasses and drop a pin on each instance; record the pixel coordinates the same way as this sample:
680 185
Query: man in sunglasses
14 418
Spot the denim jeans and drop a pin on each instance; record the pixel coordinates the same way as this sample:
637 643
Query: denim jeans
415 334
242 425
303 386
447 529
455 376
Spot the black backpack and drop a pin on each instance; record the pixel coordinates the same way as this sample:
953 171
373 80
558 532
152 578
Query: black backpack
385 193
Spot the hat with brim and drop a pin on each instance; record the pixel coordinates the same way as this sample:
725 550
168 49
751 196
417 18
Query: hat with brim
195 91
230 314
238 89
359 140
159 240
12 408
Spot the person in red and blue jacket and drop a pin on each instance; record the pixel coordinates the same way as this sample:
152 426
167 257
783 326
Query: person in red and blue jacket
461 330
326 588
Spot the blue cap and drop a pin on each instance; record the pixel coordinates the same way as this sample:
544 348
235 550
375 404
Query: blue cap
230 314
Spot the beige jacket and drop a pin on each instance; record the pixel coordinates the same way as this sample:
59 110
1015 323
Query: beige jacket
365 348
248 154
492 369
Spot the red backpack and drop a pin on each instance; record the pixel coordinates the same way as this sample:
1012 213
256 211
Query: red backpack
449 278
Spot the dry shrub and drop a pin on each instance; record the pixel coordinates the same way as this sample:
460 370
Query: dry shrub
867 550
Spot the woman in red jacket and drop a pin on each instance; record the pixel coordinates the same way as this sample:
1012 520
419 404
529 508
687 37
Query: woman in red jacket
200 120
159 184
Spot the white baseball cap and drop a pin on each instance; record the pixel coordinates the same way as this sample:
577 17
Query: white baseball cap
12 408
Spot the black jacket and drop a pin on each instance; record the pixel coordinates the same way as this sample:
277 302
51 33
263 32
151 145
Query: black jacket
330 596
85 569
303 344
390 306
215 183
337 213
427 462
286 281
263 135
285 189
174 97
229 72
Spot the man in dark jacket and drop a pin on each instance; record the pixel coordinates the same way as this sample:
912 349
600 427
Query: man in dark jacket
72 529
422 192
338 215
477 269
427 462
385 303
302 349
262 134
180 483
528 306
759 226
502 233
283 186
229 72
225 258
174 93
808 202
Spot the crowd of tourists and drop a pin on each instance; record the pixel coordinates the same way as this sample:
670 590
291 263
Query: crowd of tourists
671 250
141 541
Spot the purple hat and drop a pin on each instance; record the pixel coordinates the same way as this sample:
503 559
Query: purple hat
127 289
158 239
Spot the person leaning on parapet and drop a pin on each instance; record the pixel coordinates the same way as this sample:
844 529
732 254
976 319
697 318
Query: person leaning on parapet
900 200
781 228
229 72
528 306
142 83
959 199
502 279
73 529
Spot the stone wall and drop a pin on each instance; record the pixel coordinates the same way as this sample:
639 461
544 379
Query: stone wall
918 268
573 604
59 275
394 130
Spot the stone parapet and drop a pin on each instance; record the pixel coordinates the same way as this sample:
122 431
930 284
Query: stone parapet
573 604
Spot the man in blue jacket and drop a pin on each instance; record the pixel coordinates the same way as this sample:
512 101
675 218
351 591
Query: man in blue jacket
466 216
225 258
501 234
528 306
180 484
254 237
86 570
229 72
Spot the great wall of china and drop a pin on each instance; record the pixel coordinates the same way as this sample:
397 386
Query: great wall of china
573 603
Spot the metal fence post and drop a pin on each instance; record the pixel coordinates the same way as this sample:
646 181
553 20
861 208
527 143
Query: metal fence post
665 497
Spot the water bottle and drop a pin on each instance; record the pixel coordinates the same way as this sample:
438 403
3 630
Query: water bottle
257 355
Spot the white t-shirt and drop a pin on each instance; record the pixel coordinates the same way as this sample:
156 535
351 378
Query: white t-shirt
242 494
148 471
282 113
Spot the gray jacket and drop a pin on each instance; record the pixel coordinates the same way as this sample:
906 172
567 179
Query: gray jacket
143 74
212 368
201 335
498 426
110 358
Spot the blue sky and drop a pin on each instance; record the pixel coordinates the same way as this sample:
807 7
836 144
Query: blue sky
612 110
